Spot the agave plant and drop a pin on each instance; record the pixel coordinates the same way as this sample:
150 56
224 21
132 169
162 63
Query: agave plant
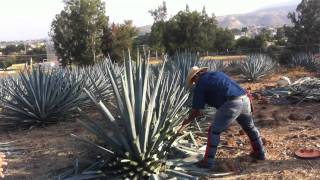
213 65
256 66
2 92
234 66
182 62
95 79
307 61
140 134
39 97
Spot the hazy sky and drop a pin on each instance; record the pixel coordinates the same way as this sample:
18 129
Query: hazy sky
31 19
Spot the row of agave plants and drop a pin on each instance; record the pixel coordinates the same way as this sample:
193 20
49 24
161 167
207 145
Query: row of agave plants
305 60
150 102
44 96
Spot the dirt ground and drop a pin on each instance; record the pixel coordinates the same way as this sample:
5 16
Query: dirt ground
39 153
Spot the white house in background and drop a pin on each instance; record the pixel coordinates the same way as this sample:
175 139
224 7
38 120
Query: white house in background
242 34
0 53
49 64
236 37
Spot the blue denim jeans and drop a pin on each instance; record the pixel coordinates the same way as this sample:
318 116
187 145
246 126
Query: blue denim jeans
239 110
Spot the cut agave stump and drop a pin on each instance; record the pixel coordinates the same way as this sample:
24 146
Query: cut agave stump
139 136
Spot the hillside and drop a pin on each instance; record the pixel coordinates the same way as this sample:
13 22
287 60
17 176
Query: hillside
275 16
144 29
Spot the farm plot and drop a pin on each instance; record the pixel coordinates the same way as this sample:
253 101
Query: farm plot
41 150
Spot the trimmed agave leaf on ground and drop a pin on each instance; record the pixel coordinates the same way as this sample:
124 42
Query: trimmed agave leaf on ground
256 66
39 97
140 134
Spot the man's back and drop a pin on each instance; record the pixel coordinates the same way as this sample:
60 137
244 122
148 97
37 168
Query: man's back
213 89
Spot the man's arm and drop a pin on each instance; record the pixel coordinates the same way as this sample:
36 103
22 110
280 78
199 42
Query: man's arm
198 103
193 114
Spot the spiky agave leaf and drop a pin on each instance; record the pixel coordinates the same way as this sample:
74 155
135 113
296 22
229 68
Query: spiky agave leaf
182 62
2 85
305 60
95 79
39 97
150 107
256 66
213 65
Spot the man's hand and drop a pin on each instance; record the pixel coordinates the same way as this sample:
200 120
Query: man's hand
193 114
186 122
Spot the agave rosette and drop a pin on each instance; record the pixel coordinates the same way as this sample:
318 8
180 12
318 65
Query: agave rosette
39 97
305 60
141 133
256 66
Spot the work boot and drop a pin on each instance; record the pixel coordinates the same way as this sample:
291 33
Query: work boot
258 151
205 163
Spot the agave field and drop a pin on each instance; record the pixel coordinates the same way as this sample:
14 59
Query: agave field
140 105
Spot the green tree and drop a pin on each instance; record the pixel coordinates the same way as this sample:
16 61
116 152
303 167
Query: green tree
250 45
77 31
159 14
244 43
280 37
38 53
13 49
141 41
267 34
235 31
118 39
191 31
156 37
305 33
224 40
245 30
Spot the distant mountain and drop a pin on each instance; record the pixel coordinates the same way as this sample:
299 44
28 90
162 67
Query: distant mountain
273 16
144 29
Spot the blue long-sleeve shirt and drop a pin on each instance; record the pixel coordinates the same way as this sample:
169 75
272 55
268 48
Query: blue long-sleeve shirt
213 88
